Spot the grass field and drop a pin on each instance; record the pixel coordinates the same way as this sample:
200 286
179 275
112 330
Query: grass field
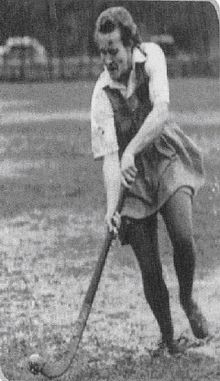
51 228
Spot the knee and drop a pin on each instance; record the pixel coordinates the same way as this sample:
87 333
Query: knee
154 286
152 273
184 244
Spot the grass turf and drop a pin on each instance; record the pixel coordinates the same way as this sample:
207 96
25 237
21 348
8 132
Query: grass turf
52 207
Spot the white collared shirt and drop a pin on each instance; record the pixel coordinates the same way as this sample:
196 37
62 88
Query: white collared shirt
104 140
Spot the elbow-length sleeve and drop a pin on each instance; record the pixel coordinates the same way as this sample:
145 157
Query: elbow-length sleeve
103 134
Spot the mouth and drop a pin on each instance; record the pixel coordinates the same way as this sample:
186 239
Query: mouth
112 69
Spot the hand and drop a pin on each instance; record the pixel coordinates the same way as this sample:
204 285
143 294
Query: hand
113 222
128 169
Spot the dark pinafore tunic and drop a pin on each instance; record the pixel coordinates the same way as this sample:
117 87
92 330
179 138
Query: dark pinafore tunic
168 163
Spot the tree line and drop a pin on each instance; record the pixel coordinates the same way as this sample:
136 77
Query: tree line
65 27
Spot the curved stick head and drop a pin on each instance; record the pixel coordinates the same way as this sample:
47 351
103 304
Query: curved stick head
36 363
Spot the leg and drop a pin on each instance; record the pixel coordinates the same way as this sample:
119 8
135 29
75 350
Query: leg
143 239
177 214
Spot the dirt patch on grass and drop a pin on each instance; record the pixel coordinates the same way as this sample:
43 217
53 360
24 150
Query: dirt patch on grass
11 168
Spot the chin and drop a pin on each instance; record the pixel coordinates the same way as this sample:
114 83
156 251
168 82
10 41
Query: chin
115 77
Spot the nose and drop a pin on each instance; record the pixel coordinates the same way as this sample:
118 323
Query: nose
108 59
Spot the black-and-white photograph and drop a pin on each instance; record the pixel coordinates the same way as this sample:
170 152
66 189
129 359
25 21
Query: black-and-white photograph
109 190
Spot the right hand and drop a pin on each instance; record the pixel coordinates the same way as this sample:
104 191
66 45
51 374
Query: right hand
113 222
128 169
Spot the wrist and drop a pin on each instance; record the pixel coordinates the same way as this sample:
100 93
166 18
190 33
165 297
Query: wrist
128 152
111 208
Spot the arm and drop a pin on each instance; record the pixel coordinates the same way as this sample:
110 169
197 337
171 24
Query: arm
159 94
112 182
150 129
105 147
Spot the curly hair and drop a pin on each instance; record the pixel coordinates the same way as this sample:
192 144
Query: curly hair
118 18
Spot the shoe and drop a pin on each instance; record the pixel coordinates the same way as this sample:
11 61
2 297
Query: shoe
173 348
197 320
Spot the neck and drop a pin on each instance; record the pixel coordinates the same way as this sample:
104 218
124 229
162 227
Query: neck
125 77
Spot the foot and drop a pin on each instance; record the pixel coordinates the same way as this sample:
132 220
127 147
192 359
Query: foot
176 348
173 348
197 320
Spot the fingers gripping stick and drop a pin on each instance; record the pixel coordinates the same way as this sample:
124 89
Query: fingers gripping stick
38 364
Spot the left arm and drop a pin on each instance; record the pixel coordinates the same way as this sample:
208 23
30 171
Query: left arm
154 122
149 130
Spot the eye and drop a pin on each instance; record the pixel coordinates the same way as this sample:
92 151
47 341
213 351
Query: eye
103 52
113 52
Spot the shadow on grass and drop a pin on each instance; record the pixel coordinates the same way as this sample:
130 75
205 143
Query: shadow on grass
125 366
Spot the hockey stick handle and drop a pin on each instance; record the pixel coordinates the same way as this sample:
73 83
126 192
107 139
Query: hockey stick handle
89 297
53 370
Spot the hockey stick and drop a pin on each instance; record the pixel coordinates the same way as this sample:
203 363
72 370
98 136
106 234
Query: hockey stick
37 364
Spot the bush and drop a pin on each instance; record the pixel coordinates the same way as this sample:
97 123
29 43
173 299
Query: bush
88 68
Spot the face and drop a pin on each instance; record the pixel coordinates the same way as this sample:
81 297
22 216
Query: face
116 57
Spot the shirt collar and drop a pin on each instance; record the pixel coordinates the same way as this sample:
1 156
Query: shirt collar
138 56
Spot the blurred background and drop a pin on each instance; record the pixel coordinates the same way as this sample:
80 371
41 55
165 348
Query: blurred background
53 39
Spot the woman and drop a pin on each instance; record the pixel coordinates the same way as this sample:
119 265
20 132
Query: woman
146 152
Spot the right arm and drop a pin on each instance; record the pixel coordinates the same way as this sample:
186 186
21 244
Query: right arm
105 147
112 181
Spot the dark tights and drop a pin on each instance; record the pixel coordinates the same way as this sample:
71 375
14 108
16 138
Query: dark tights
143 237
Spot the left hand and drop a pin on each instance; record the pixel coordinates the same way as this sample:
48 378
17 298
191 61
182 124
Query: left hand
113 222
128 169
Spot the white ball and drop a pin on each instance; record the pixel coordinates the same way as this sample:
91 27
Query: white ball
35 357
35 363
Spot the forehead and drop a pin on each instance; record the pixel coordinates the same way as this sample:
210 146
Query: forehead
110 40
